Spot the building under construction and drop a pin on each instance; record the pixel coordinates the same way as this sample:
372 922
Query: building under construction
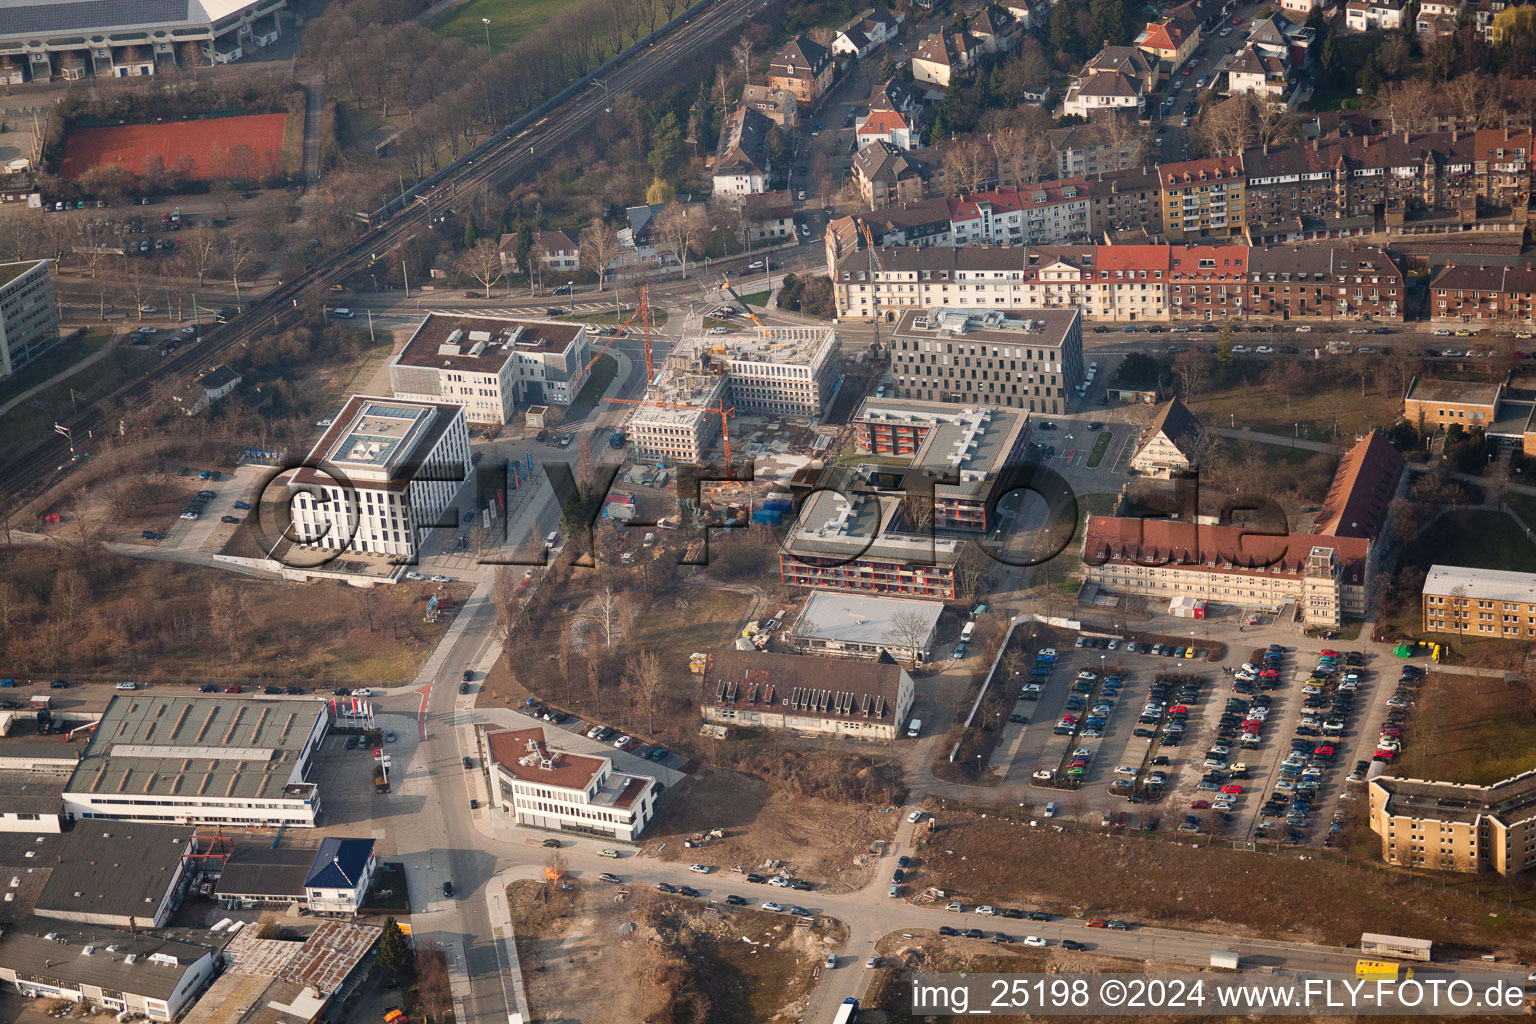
773 371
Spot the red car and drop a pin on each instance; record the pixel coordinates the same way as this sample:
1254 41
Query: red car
1096 922
1326 750
1386 755
1231 788
53 517
471 295
1237 21
232 689
1329 653
1178 709
1199 805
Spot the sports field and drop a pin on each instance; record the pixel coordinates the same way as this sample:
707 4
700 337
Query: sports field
225 147
510 20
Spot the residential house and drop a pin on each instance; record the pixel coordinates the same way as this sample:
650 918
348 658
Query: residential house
1284 39
778 105
1128 204
947 55
1438 18
997 29
1171 445
1203 198
1373 15
557 251
1311 281
1301 10
896 94
1257 72
1117 77
1028 13
805 68
889 126
637 239
1468 293
867 33
207 389
769 216
1170 39
741 161
1206 282
887 176
1459 826
1493 603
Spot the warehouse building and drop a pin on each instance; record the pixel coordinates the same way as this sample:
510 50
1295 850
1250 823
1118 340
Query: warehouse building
118 875
141 972
201 760
865 700
840 625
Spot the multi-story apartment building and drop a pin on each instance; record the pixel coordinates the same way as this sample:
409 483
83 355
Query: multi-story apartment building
1203 198
866 700
805 68
492 365
864 542
1206 282
742 164
969 452
29 316
1322 572
1492 603
1127 203
1088 149
541 786
383 471
990 358
1449 826
1464 293
1302 282
1132 282
887 175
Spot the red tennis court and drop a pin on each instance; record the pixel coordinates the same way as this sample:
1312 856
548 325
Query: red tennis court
224 147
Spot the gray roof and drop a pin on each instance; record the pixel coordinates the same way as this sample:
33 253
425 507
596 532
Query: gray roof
1480 584
63 958
32 792
115 868
859 618
191 746
1176 423
81 15
1509 801
260 871
26 864
218 377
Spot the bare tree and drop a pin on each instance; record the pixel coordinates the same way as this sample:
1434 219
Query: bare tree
608 610
70 594
432 985
599 248
909 631
482 262
1409 105
1192 368
238 257
649 680
200 250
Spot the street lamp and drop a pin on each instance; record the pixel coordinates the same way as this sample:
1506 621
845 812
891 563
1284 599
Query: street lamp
487 23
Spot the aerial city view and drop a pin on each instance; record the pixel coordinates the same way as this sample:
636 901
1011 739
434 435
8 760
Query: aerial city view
767 511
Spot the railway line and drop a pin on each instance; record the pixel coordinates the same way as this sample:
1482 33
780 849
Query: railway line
516 152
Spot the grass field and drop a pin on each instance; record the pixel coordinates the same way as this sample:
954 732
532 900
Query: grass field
658 318
35 416
1315 413
1100 446
1479 538
1468 729
757 299
510 20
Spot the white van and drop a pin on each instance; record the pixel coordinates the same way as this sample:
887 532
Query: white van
552 539
1050 809
966 631
913 728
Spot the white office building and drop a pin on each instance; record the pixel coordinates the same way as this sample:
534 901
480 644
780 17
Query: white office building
552 789
385 469
29 316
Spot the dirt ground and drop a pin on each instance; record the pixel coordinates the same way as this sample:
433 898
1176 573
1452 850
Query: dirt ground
1079 872
1469 729
590 958
157 621
822 842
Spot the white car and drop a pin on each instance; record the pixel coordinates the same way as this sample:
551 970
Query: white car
719 330
1047 652
126 686
362 691
915 817
1265 350
622 742
957 908
414 576
324 423
441 579
1304 329
189 515
702 869
593 732
1035 940
1044 774
1239 348
778 882
755 265
1124 769
986 911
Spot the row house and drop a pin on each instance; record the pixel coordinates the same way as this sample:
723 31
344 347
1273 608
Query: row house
1128 204
867 33
805 68
1467 293
1205 282
1307 282
1202 198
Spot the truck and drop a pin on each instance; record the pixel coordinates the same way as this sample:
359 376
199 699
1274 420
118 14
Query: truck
617 438
848 1012
42 700
1223 958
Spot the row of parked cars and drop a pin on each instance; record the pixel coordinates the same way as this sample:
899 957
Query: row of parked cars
1391 739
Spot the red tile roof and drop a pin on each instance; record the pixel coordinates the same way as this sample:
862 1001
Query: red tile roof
1367 479
1237 550
1216 168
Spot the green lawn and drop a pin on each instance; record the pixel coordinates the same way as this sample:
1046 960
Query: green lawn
1100 446
510 20
57 359
658 318
31 419
1477 538
758 299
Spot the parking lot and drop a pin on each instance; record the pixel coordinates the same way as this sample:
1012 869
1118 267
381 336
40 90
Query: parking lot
1201 746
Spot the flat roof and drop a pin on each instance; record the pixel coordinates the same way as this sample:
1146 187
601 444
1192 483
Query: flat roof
1480 584
1456 392
11 271
116 868
375 441
32 792
1048 327
156 970
26 864
801 346
682 398
970 442
527 755
258 871
1509 800
859 619
482 344
193 746
831 525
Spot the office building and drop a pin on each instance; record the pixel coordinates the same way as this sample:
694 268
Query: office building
29 315
1448 826
331 879
201 760
492 366
840 625
140 972
384 470
864 541
1031 362
1480 602
866 700
543 787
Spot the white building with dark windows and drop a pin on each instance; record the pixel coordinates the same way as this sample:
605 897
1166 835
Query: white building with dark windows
543 787
383 471
140 972
29 316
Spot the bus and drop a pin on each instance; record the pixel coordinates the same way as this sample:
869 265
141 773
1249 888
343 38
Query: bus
848 1012
1381 969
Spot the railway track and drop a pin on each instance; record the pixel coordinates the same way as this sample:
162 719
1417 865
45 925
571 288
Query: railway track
25 475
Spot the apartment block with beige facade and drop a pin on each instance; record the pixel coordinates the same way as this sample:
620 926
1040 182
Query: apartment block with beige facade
1480 602
1449 826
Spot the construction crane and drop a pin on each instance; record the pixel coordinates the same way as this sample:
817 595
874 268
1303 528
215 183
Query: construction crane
727 286
643 314
719 409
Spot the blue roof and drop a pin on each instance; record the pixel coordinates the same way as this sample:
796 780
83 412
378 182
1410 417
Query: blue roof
339 863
